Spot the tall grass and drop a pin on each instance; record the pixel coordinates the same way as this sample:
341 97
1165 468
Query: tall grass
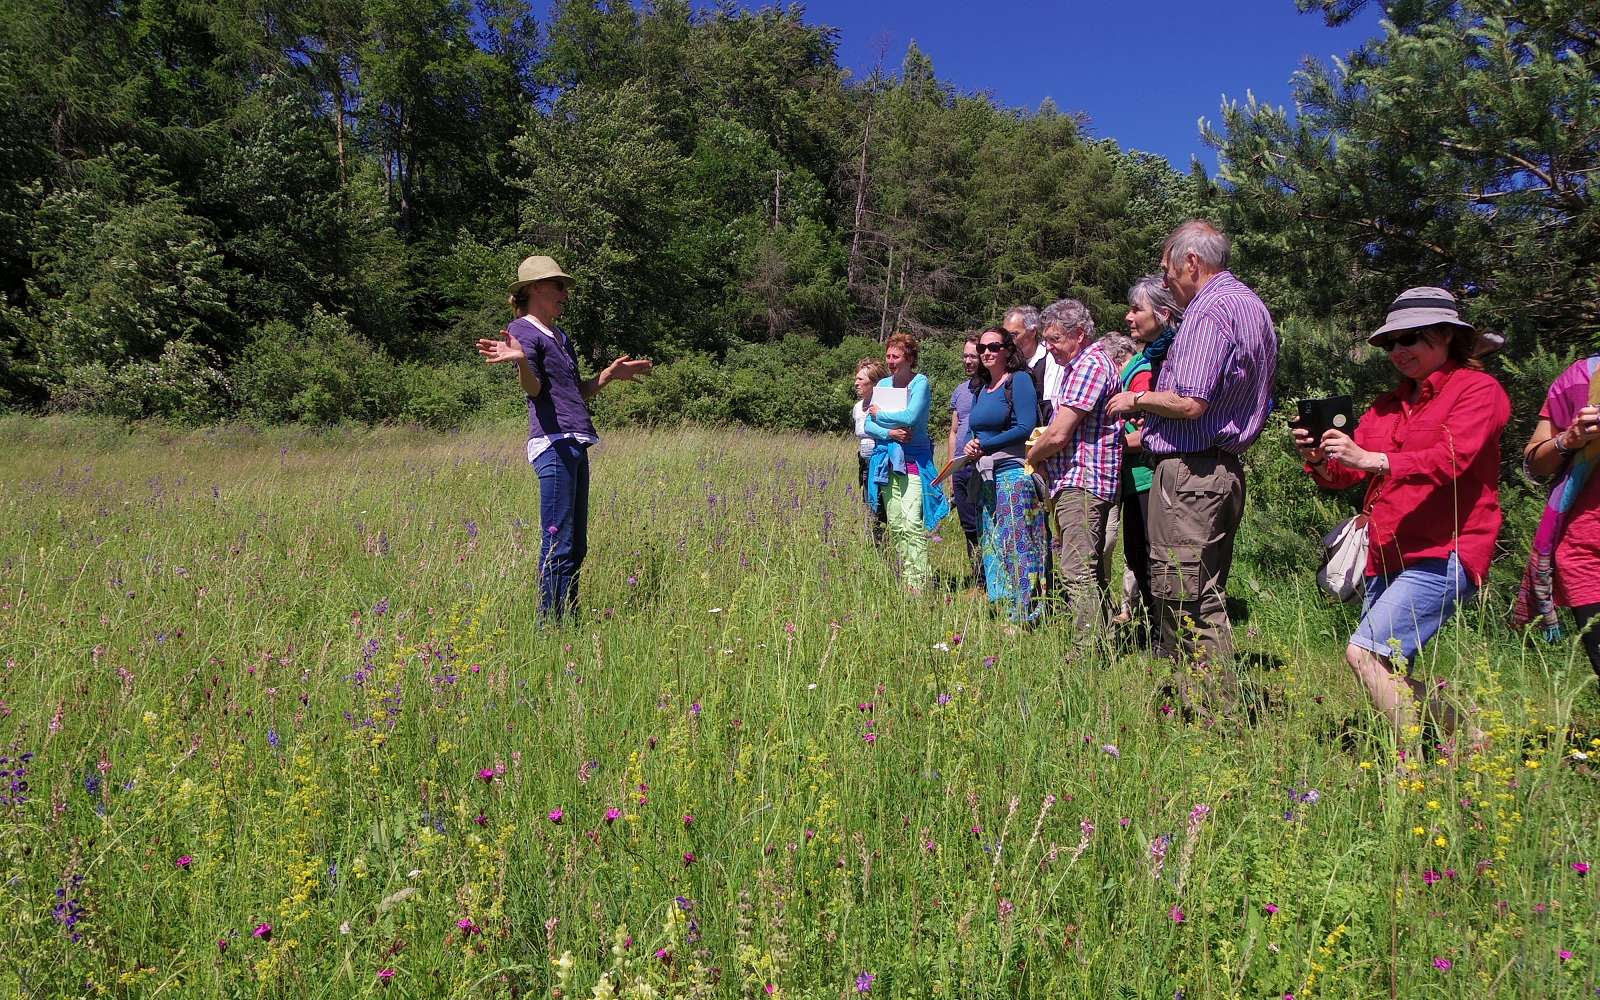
294 731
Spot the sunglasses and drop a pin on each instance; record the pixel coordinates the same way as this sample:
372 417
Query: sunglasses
991 348
1404 340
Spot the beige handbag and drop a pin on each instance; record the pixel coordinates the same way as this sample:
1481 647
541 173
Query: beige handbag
1343 575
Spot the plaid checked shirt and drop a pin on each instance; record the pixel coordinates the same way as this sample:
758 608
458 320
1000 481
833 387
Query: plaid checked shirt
1092 459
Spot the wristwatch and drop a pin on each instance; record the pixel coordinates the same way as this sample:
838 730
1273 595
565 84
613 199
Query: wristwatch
1136 397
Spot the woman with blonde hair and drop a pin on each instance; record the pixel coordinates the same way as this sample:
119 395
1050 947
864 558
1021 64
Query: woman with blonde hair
869 372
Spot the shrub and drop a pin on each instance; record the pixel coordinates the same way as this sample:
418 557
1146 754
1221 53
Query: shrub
185 384
323 374
447 395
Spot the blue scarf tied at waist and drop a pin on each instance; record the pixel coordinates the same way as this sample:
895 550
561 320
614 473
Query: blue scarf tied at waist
892 456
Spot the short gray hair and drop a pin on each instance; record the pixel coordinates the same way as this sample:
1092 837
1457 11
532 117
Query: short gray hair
1069 315
1119 347
1151 291
1029 316
1201 238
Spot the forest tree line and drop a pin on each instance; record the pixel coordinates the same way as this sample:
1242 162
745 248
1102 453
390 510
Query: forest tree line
307 210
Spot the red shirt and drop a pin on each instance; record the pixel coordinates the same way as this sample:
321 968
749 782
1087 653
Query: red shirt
1442 492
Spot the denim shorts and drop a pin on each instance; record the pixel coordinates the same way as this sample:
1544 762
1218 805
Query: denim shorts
1411 605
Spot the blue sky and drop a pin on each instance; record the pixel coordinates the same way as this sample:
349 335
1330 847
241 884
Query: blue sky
1143 72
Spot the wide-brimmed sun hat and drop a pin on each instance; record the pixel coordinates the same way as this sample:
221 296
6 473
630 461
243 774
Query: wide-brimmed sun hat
539 268
1415 308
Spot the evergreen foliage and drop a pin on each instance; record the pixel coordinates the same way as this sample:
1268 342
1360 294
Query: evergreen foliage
233 189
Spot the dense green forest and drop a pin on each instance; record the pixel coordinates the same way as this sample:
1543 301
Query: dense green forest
307 210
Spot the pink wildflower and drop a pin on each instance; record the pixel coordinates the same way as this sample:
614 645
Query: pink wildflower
1443 964
1272 908
384 975
468 927
1565 955
184 861
556 815
688 858
486 775
688 820
1175 914
262 931
612 814
1581 867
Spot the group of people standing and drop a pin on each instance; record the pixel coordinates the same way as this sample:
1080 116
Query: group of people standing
1064 434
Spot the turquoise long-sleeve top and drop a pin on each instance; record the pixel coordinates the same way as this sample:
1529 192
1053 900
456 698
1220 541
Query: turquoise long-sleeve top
892 456
914 417
997 425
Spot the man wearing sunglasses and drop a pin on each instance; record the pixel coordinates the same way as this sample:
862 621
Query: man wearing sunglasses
1208 406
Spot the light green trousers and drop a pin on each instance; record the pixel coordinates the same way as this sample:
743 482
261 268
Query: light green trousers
905 526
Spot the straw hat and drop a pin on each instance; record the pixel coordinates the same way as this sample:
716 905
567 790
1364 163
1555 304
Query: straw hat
539 268
1418 307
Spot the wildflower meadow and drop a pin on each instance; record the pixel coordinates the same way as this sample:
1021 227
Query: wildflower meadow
277 720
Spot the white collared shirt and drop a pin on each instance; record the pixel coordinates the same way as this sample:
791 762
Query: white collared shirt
1054 374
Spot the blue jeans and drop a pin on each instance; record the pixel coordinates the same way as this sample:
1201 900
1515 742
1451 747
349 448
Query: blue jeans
563 470
1406 609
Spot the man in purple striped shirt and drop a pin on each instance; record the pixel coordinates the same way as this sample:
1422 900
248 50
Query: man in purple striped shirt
1209 405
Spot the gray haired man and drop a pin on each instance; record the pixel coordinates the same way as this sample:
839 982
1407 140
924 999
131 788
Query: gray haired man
1081 450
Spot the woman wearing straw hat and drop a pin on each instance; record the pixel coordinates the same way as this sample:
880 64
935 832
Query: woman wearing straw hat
560 429
1429 452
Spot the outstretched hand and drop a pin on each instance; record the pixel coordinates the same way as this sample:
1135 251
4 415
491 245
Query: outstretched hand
496 351
627 367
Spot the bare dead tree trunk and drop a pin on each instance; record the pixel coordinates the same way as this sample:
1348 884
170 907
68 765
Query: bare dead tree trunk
888 282
853 266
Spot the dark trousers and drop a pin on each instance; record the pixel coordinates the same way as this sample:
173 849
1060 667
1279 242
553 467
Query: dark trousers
563 470
879 517
1589 627
1136 543
967 511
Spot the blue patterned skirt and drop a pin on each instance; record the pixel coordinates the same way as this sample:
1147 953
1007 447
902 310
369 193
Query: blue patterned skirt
1011 519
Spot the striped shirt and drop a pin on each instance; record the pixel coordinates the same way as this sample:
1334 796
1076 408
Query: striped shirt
1226 354
1092 459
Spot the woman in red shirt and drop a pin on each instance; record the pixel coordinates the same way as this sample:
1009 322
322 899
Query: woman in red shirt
1430 453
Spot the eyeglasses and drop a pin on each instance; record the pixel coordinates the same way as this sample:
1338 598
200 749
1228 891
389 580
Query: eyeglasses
1404 340
991 348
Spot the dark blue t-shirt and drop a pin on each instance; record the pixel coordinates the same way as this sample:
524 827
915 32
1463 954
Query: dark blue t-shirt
960 408
560 408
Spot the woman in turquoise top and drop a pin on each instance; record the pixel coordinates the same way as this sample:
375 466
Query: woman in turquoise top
1011 514
1153 319
902 467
